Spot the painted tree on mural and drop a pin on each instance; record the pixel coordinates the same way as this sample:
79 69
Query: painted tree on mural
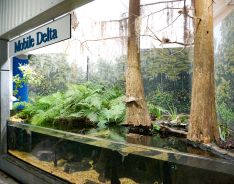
137 113
203 121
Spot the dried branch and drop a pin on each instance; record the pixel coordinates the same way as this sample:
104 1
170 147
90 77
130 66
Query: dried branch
180 43
117 20
194 17
169 24
165 8
180 51
103 39
152 33
213 2
163 40
161 2
154 36
165 128
185 13
168 42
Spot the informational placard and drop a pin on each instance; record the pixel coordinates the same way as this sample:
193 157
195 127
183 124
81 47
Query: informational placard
53 32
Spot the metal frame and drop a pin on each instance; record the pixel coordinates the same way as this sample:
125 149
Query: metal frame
4 94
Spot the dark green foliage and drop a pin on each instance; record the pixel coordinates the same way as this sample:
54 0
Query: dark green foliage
168 99
27 77
51 72
225 72
167 77
172 112
156 111
226 114
162 98
224 131
156 127
93 103
169 69
18 81
182 100
107 73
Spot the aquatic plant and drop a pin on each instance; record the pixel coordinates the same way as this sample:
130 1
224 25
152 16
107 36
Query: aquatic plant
172 112
156 111
225 113
183 118
156 127
165 97
223 131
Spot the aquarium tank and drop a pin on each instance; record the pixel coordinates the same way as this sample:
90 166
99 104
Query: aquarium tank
73 123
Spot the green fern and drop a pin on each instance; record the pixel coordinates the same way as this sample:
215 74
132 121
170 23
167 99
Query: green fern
156 111
95 103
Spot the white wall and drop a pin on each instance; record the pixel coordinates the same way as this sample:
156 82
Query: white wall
15 12
221 9
19 16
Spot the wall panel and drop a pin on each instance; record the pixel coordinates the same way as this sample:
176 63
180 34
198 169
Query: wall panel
15 12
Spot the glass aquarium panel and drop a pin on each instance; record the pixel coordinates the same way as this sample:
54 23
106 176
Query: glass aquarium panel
224 67
77 91
83 159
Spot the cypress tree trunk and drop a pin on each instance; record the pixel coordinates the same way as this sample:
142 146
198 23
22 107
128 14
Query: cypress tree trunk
137 113
203 121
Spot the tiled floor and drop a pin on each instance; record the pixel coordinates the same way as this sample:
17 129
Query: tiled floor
5 179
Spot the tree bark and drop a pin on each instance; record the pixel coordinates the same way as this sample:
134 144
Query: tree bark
137 113
203 121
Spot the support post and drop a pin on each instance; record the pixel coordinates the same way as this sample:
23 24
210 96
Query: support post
4 94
